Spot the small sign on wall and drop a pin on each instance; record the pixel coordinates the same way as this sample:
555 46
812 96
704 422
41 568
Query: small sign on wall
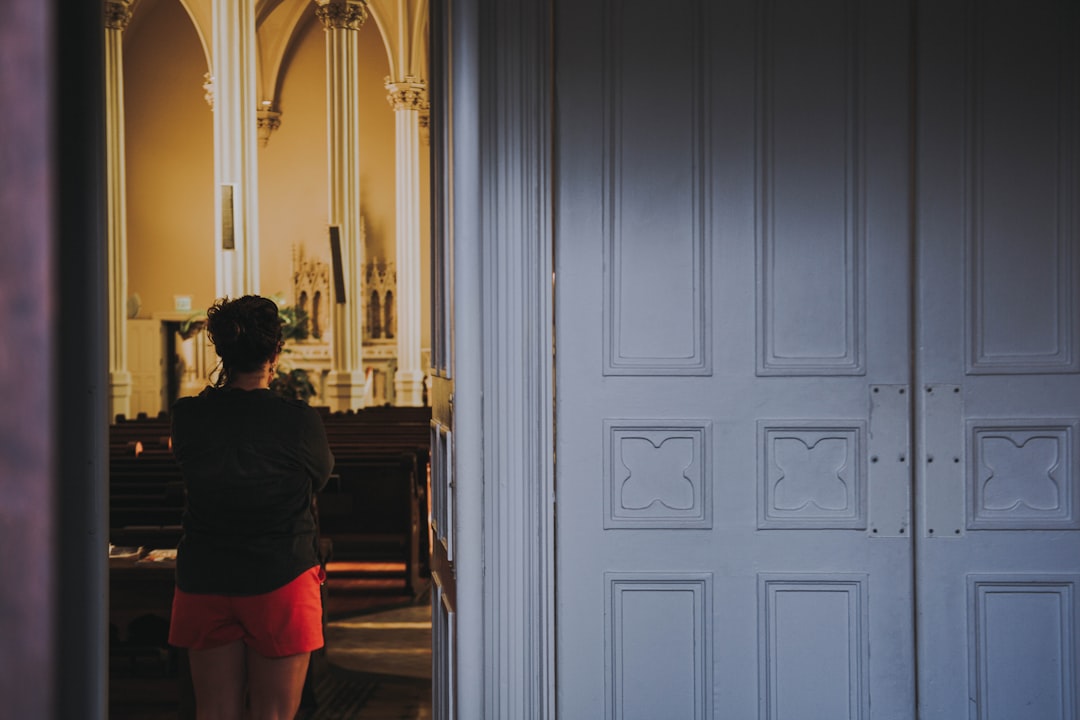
335 260
182 303
228 239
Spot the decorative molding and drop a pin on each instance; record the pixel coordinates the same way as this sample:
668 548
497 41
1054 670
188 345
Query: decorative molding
117 14
812 474
208 89
657 474
678 608
268 121
311 291
810 327
657 313
1023 619
379 275
341 14
1023 474
379 306
407 94
800 617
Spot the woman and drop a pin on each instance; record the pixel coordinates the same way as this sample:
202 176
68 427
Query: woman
247 603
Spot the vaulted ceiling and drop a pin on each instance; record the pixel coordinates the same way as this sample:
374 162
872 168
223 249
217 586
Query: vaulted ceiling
402 24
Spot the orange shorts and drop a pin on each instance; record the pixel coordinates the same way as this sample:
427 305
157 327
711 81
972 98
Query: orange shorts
286 621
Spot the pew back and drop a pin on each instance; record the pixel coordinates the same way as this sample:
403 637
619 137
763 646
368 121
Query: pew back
373 509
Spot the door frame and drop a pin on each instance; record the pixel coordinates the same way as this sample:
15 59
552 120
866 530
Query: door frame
500 65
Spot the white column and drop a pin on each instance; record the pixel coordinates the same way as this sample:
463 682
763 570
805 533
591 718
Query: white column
408 98
117 14
342 20
235 144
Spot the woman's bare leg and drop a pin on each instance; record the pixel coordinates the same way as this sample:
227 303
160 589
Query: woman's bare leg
217 675
275 685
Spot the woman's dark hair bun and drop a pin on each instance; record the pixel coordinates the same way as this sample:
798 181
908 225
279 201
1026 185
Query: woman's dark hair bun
246 333
225 331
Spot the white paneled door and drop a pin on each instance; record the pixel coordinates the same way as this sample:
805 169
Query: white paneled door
998 552
816 420
733 360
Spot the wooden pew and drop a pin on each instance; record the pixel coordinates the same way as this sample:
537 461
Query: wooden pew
374 509
146 494
142 428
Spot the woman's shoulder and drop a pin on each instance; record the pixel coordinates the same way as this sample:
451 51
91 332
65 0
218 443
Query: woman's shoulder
190 403
285 405
262 401
301 408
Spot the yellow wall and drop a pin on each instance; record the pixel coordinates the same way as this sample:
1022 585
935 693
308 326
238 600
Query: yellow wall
293 202
170 161
293 169
377 171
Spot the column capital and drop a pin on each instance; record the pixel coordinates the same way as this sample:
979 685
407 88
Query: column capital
208 89
341 14
268 120
117 14
407 94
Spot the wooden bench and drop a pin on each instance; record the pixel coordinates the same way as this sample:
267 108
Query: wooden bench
146 489
374 509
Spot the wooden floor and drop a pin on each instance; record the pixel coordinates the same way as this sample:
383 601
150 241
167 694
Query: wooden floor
395 642
376 636
398 700
392 647
388 641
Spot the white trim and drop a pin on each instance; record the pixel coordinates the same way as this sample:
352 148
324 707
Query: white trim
465 352
519 528
507 52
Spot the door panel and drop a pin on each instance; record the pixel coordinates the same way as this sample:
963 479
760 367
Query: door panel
441 516
998 549
733 363
441 528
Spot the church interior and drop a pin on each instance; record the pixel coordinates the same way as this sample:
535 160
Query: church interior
165 226
279 148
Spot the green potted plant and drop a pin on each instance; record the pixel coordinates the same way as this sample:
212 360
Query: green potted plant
292 382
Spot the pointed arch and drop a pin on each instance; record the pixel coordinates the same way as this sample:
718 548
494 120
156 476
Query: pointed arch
200 13
197 10
279 27
403 26
374 319
389 319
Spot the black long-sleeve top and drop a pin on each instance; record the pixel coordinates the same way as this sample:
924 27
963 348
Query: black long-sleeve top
251 461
